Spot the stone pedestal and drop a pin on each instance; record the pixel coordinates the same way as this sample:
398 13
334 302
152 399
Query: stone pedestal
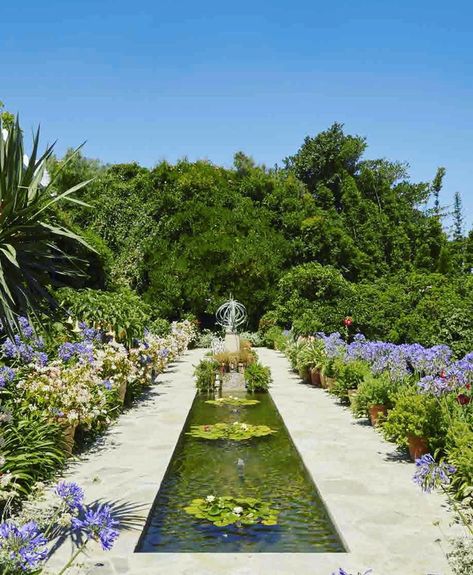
232 342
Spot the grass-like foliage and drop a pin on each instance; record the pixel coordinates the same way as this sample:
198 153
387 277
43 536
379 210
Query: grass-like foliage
234 431
222 511
257 378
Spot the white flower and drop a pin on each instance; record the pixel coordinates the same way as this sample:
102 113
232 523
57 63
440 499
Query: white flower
238 510
210 498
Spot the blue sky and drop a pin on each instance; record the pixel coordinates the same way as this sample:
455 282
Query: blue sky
151 80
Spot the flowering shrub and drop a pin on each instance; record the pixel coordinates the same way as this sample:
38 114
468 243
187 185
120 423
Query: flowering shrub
25 545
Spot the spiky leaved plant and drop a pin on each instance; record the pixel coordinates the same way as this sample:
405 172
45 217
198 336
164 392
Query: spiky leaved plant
30 237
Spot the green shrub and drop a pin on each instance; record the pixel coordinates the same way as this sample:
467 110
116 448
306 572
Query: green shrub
415 414
349 376
33 448
459 449
205 374
160 327
373 390
275 339
123 312
257 378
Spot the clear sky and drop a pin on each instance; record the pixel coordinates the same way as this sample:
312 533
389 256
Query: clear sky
150 80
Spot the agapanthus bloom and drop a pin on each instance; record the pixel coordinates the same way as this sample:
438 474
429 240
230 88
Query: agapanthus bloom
22 546
429 474
83 351
71 494
98 524
7 374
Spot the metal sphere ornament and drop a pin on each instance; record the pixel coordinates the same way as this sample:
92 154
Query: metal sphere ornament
231 315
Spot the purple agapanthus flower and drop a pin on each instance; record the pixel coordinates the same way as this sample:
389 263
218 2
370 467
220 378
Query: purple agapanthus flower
429 474
24 545
25 328
98 524
7 375
83 351
107 384
90 333
71 494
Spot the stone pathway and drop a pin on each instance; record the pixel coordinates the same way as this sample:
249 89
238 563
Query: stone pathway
386 522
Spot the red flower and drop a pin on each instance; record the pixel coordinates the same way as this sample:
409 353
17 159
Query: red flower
463 399
468 386
443 375
347 321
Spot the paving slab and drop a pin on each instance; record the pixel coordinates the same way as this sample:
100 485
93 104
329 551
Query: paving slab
385 521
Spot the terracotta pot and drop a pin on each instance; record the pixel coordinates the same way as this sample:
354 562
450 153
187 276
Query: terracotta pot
69 432
375 411
304 374
352 393
122 391
418 446
315 378
329 382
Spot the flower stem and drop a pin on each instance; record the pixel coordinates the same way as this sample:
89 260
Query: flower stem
73 558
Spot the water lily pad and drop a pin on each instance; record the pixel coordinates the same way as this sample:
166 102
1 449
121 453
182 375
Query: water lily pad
222 511
232 401
235 431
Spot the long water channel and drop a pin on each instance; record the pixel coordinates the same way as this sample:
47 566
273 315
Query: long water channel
268 468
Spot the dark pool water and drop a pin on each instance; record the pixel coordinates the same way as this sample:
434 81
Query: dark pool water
273 471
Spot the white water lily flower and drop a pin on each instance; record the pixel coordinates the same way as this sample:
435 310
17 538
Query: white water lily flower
210 498
238 510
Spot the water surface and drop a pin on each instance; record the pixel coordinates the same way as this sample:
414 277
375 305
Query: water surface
268 468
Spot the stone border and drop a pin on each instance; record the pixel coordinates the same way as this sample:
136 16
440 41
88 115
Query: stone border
384 519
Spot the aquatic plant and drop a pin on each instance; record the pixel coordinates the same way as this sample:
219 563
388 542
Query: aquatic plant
232 401
222 511
235 431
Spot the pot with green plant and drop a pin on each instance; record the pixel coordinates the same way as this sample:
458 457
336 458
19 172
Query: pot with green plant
416 422
205 375
374 397
349 377
257 378
310 361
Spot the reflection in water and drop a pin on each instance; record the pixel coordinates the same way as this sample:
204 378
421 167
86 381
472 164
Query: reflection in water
267 468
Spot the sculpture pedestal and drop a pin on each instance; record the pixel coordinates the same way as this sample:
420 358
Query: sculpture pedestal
232 343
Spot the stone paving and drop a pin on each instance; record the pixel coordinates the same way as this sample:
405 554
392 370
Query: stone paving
386 522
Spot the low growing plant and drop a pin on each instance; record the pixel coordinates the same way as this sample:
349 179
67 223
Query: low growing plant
231 401
223 511
417 415
257 378
205 374
349 376
373 390
234 431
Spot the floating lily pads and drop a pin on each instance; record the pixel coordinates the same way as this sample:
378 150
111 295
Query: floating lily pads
232 401
235 431
222 511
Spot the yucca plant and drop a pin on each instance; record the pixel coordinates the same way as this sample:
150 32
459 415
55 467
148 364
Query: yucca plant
31 257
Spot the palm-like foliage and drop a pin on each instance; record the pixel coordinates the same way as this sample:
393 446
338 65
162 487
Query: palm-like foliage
30 237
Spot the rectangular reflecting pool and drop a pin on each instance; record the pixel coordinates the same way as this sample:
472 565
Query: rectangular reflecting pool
268 468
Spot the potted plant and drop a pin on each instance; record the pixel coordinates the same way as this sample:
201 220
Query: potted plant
415 422
310 360
349 377
257 378
374 397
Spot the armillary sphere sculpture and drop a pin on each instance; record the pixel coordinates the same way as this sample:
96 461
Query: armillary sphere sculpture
231 315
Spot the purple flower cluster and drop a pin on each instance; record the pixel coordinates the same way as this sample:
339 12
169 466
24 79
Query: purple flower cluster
24 545
26 350
402 361
90 333
71 494
98 524
429 474
7 375
335 346
83 351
